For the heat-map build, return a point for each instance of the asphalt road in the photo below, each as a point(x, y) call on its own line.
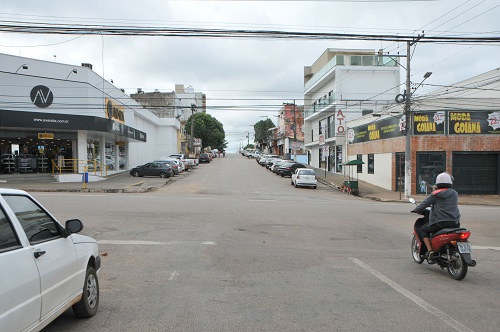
point(233, 247)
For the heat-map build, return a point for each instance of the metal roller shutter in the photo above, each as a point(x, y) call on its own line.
point(475, 173)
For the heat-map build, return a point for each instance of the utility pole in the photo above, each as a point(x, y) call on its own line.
point(408, 128)
point(191, 147)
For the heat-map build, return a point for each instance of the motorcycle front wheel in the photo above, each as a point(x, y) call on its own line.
point(457, 267)
point(415, 251)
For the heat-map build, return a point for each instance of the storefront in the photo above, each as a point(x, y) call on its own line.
point(58, 117)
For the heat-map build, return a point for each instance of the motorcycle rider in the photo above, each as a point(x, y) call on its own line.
point(444, 210)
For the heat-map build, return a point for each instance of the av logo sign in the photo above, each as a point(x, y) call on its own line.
point(41, 96)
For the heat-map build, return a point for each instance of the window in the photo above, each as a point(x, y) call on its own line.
point(339, 59)
point(8, 239)
point(429, 165)
point(355, 60)
point(331, 126)
point(321, 124)
point(365, 112)
point(368, 60)
point(371, 164)
point(37, 224)
point(359, 157)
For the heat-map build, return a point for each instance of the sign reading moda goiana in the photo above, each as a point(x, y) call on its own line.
point(473, 122)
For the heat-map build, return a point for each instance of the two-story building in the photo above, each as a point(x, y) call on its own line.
point(342, 85)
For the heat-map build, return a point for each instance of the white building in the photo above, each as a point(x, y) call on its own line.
point(51, 109)
point(342, 85)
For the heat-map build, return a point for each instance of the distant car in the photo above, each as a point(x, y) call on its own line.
point(161, 169)
point(47, 268)
point(304, 177)
point(270, 161)
point(287, 169)
point(276, 164)
point(204, 158)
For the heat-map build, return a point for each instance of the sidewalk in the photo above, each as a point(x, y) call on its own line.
point(370, 191)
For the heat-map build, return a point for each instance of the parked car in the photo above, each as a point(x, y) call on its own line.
point(276, 164)
point(182, 158)
point(204, 158)
point(287, 169)
point(173, 163)
point(180, 164)
point(155, 168)
point(270, 161)
point(263, 159)
point(47, 268)
point(304, 177)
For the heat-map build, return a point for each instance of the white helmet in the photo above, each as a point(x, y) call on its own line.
point(444, 180)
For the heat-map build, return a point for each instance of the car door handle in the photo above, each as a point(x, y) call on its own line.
point(39, 253)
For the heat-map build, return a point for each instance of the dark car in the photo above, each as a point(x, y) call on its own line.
point(287, 169)
point(161, 169)
point(172, 164)
point(204, 158)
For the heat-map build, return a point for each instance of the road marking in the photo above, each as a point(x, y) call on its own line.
point(153, 243)
point(200, 198)
point(424, 305)
point(485, 248)
point(262, 200)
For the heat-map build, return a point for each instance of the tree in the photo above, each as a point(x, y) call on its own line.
point(261, 128)
point(209, 129)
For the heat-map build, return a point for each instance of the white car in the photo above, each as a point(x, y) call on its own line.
point(45, 267)
point(304, 177)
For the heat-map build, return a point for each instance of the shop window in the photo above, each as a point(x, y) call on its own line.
point(359, 157)
point(400, 171)
point(429, 165)
point(371, 164)
point(339, 158)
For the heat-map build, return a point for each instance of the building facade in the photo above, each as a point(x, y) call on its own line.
point(175, 104)
point(52, 111)
point(454, 129)
point(340, 86)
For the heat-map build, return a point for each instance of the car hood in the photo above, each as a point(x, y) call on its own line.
point(78, 238)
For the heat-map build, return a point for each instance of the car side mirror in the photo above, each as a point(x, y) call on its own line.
point(73, 226)
point(412, 200)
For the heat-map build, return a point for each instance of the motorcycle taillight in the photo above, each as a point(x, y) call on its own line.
point(464, 235)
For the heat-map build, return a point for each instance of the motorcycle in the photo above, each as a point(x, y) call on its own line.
point(451, 247)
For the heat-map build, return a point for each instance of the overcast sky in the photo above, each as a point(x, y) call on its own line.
point(249, 73)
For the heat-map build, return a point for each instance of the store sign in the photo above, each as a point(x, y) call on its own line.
point(429, 123)
point(468, 123)
point(41, 96)
point(45, 136)
point(340, 123)
point(114, 111)
point(387, 128)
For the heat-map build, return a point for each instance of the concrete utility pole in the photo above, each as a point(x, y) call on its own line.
point(294, 132)
point(191, 147)
point(408, 128)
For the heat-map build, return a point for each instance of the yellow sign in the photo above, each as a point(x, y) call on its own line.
point(114, 111)
point(45, 136)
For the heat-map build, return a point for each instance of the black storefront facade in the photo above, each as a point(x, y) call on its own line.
point(35, 141)
point(465, 143)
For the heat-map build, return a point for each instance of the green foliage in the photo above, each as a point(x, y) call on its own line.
point(261, 128)
point(209, 129)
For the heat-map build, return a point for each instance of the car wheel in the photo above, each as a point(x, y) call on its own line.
point(291, 182)
point(135, 174)
point(282, 175)
point(110, 167)
point(315, 187)
point(296, 185)
point(163, 175)
point(87, 307)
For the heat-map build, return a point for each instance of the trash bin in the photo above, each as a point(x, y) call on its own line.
point(85, 177)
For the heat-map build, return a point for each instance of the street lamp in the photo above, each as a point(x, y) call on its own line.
point(24, 66)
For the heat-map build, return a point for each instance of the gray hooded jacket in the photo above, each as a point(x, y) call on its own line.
point(444, 206)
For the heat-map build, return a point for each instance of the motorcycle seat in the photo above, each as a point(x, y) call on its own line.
point(448, 230)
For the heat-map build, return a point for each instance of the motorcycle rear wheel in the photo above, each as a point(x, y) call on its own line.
point(457, 268)
point(415, 251)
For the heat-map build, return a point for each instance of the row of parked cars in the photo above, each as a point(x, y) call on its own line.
point(300, 175)
point(165, 167)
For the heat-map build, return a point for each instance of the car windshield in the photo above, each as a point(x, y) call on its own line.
point(307, 172)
